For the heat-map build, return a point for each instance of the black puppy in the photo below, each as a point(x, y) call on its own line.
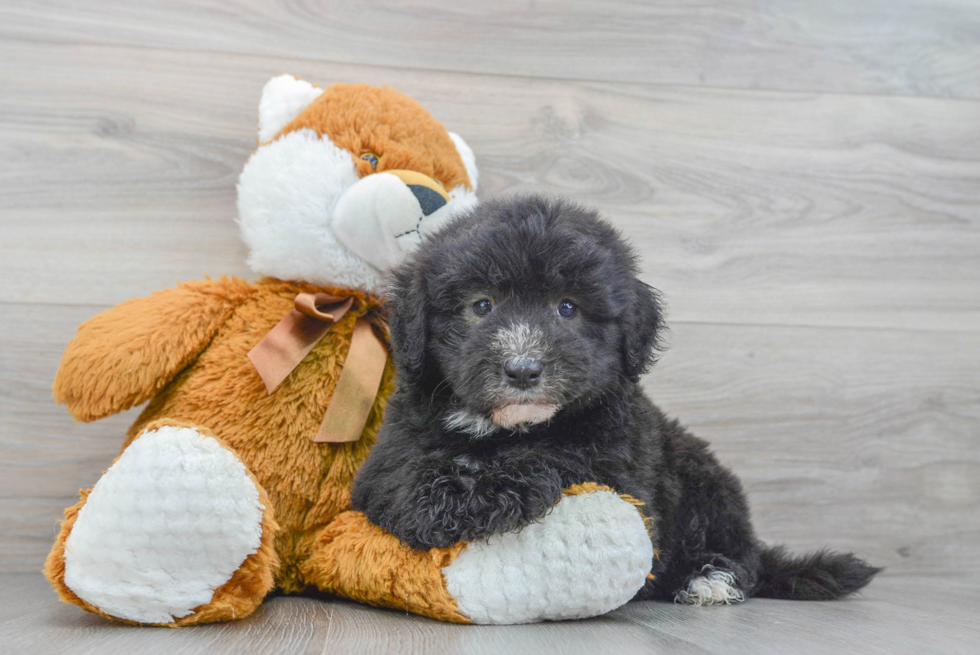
point(520, 332)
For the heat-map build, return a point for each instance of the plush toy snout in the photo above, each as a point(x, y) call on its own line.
point(430, 193)
point(383, 216)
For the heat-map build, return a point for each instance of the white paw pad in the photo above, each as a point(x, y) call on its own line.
point(713, 587)
point(169, 522)
point(590, 555)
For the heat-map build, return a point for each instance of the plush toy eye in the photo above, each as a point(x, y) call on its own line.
point(567, 309)
point(371, 158)
point(483, 307)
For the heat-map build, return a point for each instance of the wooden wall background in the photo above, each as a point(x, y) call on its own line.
point(803, 179)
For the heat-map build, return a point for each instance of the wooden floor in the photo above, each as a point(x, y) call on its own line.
point(802, 178)
point(889, 618)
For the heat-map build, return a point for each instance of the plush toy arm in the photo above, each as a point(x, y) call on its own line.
point(123, 356)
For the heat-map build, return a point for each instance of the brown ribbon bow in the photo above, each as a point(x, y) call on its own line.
point(292, 339)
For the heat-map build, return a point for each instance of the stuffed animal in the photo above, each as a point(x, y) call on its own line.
point(263, 399)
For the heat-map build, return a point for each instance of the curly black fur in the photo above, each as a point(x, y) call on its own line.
point(443, 470)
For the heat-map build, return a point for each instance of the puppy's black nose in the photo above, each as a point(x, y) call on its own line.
point(524, 372)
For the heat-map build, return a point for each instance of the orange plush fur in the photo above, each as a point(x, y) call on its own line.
point(186, 349)
point(381, 121)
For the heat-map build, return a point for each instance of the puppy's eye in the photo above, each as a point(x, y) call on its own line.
point(567, 309)
point(371, 158)
point(483, 307)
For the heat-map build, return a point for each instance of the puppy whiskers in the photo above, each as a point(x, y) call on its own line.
point(435, 392)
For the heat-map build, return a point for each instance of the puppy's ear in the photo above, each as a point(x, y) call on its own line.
point(642, 324)
point(406, 300)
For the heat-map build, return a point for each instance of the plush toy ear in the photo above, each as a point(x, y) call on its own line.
point(283, 98)
point(642, 325)
point(406, 318)
point(469, 159)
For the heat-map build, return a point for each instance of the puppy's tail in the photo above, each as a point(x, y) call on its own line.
point(822, 575)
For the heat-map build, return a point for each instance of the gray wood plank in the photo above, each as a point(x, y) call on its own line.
point(33, 620)
point(913, 47)
point(818, 250)
point(769, 208)
point(45, 456)
point(880, 620)
point(357, 629)
point(863, 440)
point(896, 615)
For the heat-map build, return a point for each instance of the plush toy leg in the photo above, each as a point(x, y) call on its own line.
point(590, 555)
point(176, 532)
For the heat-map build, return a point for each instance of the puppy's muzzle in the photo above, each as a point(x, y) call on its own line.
point(523, 372)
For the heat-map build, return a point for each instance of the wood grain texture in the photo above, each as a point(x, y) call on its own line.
point(45, 456)
point(862, 440)
point(802, 180)
point(33, 620)
point(911, 47)
point(887, 618)
point(748, 207)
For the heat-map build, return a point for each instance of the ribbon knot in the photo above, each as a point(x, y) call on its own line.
point(295, 336)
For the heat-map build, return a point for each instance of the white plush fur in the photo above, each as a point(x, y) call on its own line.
point(590, 555)
point(169, 522)
point(288, 194)
point(286, 197)
point(379, 219)
point(469, 159)
point(712, 587)
point(283, 98)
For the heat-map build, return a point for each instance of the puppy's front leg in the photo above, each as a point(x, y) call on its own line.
point(466, 499)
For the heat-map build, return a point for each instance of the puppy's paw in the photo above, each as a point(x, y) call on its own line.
point(711, 587)
point(590, 555)
point(473, 501)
